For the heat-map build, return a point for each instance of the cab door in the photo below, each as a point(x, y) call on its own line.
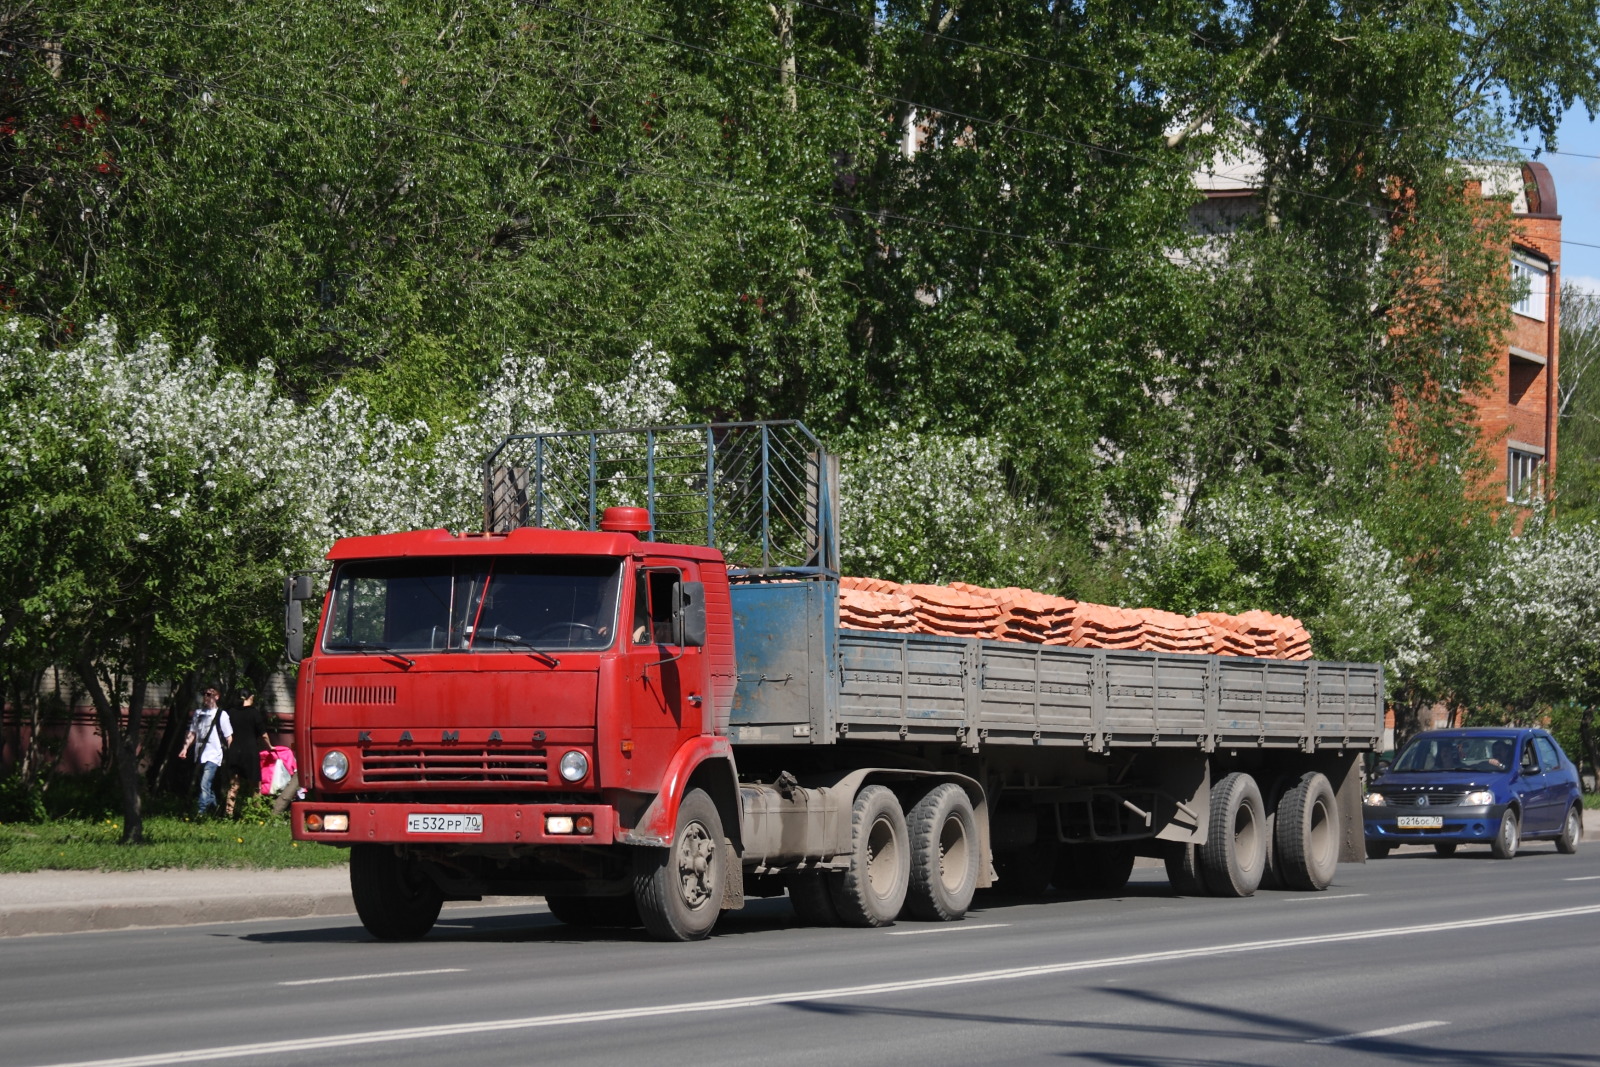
point(665, 676)
point(1547, 803)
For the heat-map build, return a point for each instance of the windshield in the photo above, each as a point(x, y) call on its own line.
point(1436, 752)
point(495, 604)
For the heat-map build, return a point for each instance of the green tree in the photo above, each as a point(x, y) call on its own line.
point(1578, 405)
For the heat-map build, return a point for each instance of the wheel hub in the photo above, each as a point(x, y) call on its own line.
point(695, 875)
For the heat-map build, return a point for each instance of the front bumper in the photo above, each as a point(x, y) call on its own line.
point(1459, 824)
point(503, 824)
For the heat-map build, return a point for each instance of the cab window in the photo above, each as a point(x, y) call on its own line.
point(652, 606)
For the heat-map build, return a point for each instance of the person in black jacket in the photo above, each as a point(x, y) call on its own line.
point(250, 739)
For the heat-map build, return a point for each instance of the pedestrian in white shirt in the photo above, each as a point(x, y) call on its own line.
point(209, 725)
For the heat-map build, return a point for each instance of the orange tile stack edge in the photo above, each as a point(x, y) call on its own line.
point(1011, 614)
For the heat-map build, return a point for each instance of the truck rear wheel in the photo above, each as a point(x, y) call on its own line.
point(872, 890)
point(1306, 834)
point(679, 888)
point(396, 901)
point(944, 854)
point(1183, 870)
point(1235, 853)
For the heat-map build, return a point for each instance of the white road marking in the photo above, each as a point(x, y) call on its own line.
point(953, 928)
point(1319, 896)
point(365, 977)
point(1385, 1032)
point(1585, 878)
point(798, 996)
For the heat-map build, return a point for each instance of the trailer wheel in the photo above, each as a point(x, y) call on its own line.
point(1235, 852)
point(594, 912)
point(1183, 871)
point(872, 890)
point(679, 888)
point(1094, 870)
point(944, 855)
point(1306, 834)
point(812, 899)
point(396, 901)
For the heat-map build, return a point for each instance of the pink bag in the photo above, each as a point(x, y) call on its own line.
point(277, 766)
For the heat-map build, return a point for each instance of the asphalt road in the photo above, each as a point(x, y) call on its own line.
point(1413, 959)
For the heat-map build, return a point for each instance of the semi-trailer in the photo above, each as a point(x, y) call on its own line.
point(630, 694)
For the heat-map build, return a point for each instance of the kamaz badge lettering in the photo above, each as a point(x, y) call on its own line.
point(449, 735)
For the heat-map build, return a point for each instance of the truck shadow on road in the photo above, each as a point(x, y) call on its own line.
point(1227, 1024)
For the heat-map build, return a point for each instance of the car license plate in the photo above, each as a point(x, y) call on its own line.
point(1420, 822)
point(426, 823)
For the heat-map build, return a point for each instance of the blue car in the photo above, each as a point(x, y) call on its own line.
point(1494, 786)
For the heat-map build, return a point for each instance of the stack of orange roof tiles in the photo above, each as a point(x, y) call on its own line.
point(1012, 614)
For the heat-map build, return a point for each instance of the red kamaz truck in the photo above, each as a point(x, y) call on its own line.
point(631, 695)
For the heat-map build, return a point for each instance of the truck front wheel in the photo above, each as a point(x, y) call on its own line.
point(396, 901)
point(679, 888)
point(1235, 853)
point(873, 889)
point(944, 854)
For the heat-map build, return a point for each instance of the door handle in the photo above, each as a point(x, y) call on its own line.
point(694, 699)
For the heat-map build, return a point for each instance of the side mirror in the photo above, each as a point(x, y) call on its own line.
point(296, 591)
point(1383, 765)
point(690, 614)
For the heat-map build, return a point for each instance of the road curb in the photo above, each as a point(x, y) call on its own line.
point(26, 919)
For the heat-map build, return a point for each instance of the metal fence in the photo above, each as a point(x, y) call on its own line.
point(762, 492)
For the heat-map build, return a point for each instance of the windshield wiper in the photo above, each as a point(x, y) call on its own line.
point(372, 649)
point(521, 642)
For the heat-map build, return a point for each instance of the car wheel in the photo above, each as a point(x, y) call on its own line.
point(1571, 831)
point(1445, 848)
point(1506, 841)
point(1376, 850)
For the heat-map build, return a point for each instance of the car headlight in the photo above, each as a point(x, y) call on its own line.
point(1374, 800)
point(335, 765)
point(1478, 797)
point(574, 765)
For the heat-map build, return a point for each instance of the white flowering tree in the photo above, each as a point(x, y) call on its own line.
point(1245, 551)
point(151, 502)
point(1538, 602)
point(927, 508)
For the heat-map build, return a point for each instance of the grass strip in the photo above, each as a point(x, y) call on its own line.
point(183, 842)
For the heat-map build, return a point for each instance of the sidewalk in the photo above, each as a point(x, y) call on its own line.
point(59, 902)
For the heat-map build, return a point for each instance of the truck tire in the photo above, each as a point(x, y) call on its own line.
point(1506, 842)
point(396, 901)
point(872, 890)
point(944, 855)
point(1571, 832)
point(593, 913)
point(812, 898)
point(1183, 870)
point(1235, 853)
point(679, 888)
point(1094, 870)
point(1306, 834)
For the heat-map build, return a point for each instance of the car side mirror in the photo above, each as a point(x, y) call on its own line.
point(1383, 765)
point(690, 614)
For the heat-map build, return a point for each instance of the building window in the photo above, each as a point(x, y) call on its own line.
point(1530, 283)
point(1522, 474)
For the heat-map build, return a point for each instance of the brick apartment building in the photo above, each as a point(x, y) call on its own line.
point(1516, 413)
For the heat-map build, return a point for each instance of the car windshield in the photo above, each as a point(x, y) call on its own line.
point(493, 604)
point(1454, 752)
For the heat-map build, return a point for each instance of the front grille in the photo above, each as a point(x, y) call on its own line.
point(380, 766)
point(1409, 800)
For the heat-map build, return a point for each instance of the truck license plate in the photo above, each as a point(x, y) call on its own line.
point(424, 823)
point(1420, 822)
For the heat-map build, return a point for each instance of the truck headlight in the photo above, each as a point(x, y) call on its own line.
point(1374, 800)
point(335, 765)
point(574, 765)
point(1478, 797)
